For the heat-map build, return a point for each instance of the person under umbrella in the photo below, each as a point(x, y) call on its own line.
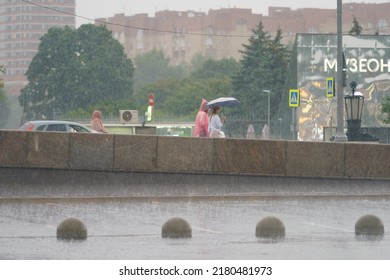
point(216, 123)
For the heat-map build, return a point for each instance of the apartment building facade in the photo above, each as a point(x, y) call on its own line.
point(181, 35)
point(221, 33)
point(22, 24)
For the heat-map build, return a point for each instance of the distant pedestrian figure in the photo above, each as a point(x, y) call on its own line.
point(201, 128)
point(265, 132)
point(96, 122)
point(250, 133)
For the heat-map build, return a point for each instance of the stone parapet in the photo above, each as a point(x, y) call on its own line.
point(315, 159)
point(165, 154)
point(91, 151)
point(135, 153)
point(184, 154)
point(367, 160)
point(47, 150)
point(245, 156)
point(13, 148)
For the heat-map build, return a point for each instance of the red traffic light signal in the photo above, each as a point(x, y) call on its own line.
point(151, 100)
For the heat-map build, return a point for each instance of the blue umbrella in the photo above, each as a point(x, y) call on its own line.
point(223, 102)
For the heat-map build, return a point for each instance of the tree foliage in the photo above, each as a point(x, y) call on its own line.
point(197, 62)
point(356, 28)
point(263, 67)
point(4, 107)
point(152, 67)
point(76, 69)
point(210, 68)
point(386, 110)
point(2, 71)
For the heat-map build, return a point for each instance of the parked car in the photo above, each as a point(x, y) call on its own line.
point(63, 126)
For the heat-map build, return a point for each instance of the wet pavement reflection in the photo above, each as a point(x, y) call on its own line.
point(319, 227)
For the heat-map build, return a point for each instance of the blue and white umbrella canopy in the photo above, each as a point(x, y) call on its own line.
point(223, 102)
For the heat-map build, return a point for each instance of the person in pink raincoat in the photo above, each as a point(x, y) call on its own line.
point(96, 122)
point(202, 121)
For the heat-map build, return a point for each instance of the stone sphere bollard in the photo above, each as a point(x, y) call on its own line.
point(270, 227)
point(71, 228)
point(176, 228)
point(369, 225)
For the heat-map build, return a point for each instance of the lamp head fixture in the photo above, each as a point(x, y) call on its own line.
point(353, 85)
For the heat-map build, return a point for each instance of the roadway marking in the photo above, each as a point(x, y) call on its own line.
point(324, 226)
point(206, 230)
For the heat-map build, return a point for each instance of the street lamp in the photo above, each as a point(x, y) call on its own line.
point(269, 112)
point(354, 110)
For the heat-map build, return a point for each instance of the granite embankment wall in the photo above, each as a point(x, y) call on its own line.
point(162, 154)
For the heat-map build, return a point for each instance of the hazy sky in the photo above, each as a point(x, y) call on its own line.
point(107, 8)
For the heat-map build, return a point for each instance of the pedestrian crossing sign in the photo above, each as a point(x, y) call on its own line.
point(293, 98)
point(330, 87)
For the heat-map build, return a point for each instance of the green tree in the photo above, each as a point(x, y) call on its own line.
point(210, 68)
point(197, 62)
point(2, 71)
point(279, 78)
point(386, 110)
point(263, 67)
point(76, 69)
point(4, 107)
point(356, 28)
point(186, 101)
point(152, 67)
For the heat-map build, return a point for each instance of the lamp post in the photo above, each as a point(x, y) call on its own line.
point(340, 135)
point(269, 109)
